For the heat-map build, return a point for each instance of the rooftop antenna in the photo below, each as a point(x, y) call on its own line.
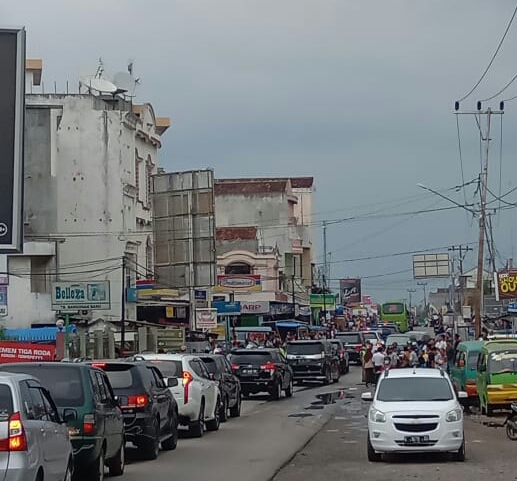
point(126, 82)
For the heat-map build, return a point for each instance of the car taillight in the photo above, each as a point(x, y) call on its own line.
point(88, 424)
point(138, 401)
point(187, 379)
point(269, 366)
point(235, 367)
point(341, 352)
point(16, 440)
point(358, 348)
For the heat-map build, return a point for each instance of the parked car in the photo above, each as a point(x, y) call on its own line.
point(262, 370)
point(354, 342)
point(464, 370)
point(373, 336)
point(342, 354)
point(220, 371)
point(85, 399)
point(400, 339)
point(313, 360)
point(150, 411)
point(412, 411)
point(34, 441)
point(198, 397)
point(420, 337)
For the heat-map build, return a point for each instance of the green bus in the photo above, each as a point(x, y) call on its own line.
point(397, 313)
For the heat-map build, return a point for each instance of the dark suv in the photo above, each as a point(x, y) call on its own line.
point(84, 397)
point(262, 370)
point(340, 350)
point(313, 361)
point(354, 342)
point(221, 371)
point(150, 411)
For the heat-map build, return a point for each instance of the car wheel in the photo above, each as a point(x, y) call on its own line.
point(372, 455)
point(235, 411)
point(117, 464)
point(460, 455)
point(276, 393)
point(171, 442)
point(290, 389)
point(197, 428)
point(151, 449)
point(224, 411)
point(96, 469)
point(213, 424)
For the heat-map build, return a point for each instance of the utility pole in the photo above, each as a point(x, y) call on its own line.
point(424, 284)
point(293, 298)
point(325, 266)
point(410, 291)
point(482, 216)
point(123, 309)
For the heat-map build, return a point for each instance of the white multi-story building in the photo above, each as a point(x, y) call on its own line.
point(87, 185)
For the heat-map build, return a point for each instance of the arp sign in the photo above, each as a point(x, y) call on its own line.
point(12, 109)
point(258, 307)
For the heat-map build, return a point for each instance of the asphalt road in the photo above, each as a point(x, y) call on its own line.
point(251, 448)
point(338, 451)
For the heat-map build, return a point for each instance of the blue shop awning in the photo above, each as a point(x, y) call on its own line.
point(36, 334)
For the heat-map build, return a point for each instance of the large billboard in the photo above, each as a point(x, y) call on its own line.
point(429, 266)
point(74, 296)
point(12, 109)
point(350, 290)
point(506, 284)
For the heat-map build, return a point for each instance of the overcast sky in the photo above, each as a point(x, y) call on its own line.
point(357, 93)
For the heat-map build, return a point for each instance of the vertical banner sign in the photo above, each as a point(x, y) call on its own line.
point(12, 109)
point(350, 291)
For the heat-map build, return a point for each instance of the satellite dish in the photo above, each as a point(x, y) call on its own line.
point(125, 83)
point(100, 85)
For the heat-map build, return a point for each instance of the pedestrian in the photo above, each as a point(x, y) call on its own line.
point(378, 362)
point(368, 365)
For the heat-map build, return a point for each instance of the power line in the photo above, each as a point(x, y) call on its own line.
point(514, 78)
point(493, 57)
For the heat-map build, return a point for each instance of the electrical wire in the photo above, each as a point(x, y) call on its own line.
point(493, 57)
point(514, 78)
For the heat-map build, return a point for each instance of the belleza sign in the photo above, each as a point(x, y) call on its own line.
point(81, 295)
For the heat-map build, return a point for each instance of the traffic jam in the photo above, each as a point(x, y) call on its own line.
point(84, 413)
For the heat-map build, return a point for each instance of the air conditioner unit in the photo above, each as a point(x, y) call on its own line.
point(85, 314)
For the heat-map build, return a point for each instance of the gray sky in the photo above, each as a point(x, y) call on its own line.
point(358, 93)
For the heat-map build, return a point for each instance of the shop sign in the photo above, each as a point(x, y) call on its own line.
point(506, 282)
point(21, 352)
point(80, 295)
point(206, 319)
point(3, 301)
point(258, 307)
point(238, 282)
point(227, 308)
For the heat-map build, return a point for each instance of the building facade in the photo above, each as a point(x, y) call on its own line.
point(88, 166)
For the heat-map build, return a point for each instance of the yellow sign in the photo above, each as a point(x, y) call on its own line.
point(143, 293)
point(169, 312)
point(220, 331)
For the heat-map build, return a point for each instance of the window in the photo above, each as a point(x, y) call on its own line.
point(238, 268)
point(137, 176)
point(394, 308)
point(103, 390)
point(26, 398)
point(472, 360)
point(169, 368)
point(414, 389)
point(39, 276)
point(149, 264)
point(158, 379)
point(196, 367)
point(305, 348)
point(6, 402)
point(148, 182)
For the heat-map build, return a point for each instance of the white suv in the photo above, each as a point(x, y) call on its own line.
point(198, 397)
point(415, 410)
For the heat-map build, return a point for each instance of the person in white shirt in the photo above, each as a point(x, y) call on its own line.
point(378, 362)
point(441, 344)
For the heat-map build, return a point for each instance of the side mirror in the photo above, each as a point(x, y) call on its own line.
point(462, 395)
point(367, 396)
point(172, 381)
point(69, 415)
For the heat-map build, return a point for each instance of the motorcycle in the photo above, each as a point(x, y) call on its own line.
point(511, 423)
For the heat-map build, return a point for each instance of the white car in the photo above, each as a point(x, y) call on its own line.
point(198, 397)
point(415, 410)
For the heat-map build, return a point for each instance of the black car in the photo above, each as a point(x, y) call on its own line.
point(84, 397)
point(262, 370)
point(342, 354)
point(221, 371)
point(150, 411)
point(354, 342)
point(313, 360)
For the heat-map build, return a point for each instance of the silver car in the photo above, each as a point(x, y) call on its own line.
point(34, 443)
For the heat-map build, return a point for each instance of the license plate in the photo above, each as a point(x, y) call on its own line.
point(416, 439)
point(249, 372)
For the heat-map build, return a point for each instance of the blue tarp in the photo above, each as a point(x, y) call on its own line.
point(290, 324)
point(36, 334)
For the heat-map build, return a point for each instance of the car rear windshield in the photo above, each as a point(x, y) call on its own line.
point(169, 368)
point(370, 335)
point(64, 382)
point(400, 340)
point(505, 361)
point(350, 338)
point(254, 358)
point(414, 389)
point(121, 376)
point(6, 402)
point(472, 361)
point(305, 348)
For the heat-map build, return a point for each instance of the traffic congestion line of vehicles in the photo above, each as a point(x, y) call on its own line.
point(64, 420)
